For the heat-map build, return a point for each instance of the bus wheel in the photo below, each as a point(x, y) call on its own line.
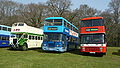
point(11, 48)
point(101, 55)
point(24, 47)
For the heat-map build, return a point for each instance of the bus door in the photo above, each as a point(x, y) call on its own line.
point(64, 41)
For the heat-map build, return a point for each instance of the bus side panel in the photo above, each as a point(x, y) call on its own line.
point(34, 43)
point(4, 43)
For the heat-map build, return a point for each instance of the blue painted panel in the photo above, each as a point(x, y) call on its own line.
point(61, 18)
point(4, 35)
point(5, 26)
point(2, 32)
point(59, 28)
point(4, 43)
point(5, 32)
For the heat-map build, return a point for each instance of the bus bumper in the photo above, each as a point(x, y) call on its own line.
point(58, 49)
point(4, 45)
point(93, 49)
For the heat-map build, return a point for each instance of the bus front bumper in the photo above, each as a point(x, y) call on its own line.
point(58, 49)
point(93, 49)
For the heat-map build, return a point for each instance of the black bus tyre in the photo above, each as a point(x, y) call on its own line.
point(67, 47)
point(101, 55)
point(24, 47)
point(11, 48)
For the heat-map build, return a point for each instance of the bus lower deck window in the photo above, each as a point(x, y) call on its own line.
point(29, 37)
point(25, 36)
point(32, 37)
point(41, 38)
point(38, 38)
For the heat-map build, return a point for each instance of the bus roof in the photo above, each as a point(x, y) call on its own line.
point(89, 18)
point(61, 18)
point(5, 26)
point(5, 32)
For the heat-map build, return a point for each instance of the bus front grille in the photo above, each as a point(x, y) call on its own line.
point(14, 41)
point(51, 45)
point(92, 49)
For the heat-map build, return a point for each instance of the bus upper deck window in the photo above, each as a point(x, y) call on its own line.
point(5, 28)
point(0, 27)
point(15, 24)
point(21, 24)
point(58, 21)
point(98, 22)
point(9, 29)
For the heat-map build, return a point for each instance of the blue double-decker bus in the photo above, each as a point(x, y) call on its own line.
point(59, 35)
point(5, 34)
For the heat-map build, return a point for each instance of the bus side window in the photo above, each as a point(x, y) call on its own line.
point(41, 38)
point(25, 36)
point(0, 28)
point(9, 29)
point(30, 37)
point(68, 25)
point(3, 38)
point(65, 23)
point(7, 38)
point(0, 37)
point(38, 38)
point(5, 28)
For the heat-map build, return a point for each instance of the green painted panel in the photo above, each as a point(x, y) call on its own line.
point(27, 33)
point(22, 41)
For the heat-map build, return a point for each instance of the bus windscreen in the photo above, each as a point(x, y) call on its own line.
point(94, 22)
point(92, 39)
point(53, 22)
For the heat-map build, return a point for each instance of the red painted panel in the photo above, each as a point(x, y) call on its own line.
point(101, 29)
point(93, 49)
point(89, 18)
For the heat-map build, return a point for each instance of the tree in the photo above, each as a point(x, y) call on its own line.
point(112, 19)
point(81, 12)
point(86, 11)
point(114, 6)
point(58, 7)
point(33, 13)
point(7, 11)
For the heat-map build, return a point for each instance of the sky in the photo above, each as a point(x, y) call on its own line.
point(97, 4)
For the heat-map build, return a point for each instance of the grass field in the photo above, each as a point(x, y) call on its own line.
point(39, 59)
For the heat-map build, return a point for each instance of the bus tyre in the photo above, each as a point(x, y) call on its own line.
point(11, 48)
point(101, 55)
point(24, 47)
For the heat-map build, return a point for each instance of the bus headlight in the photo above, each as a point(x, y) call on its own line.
point(101, 49)
point(83, 48)
point(81, 44)
point(58, 45)
point(44, 44)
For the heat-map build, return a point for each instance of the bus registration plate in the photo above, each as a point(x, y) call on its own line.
point(92, 52)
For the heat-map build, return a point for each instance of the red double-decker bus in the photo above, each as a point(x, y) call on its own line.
point(92, 33)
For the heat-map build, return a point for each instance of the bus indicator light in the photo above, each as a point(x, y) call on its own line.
point(92, 29)
point(52, 28)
